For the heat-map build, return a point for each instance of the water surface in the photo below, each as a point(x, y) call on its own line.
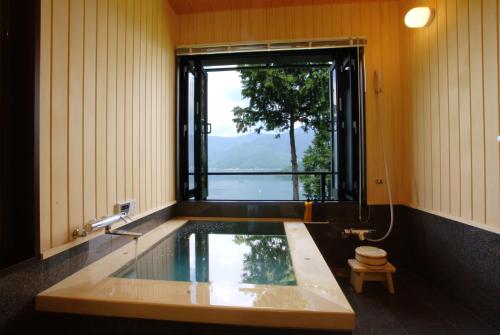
point(207, 251)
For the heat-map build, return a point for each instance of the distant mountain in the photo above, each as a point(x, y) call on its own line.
point(255, 151)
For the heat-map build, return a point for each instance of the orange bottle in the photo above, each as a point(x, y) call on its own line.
point(308, 210)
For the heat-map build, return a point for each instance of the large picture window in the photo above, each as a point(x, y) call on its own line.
point(273, 126)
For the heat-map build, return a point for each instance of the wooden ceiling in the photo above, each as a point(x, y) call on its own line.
point(196, 6)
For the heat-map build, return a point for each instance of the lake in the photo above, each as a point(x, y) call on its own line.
point(251, 188)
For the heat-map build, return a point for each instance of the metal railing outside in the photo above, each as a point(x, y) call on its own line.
point(323, 194)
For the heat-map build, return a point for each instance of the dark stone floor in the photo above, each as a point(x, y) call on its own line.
point(418, 307)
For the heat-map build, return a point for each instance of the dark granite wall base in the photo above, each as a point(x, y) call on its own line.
point(255, 209)
point(461, 259)
point(19, 285)
point(335, 250)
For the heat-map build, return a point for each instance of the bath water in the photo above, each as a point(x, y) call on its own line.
point(208, 251)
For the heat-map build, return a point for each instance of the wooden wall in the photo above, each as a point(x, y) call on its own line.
point(379, 21)
point(107, 74)
point(454, 111)
point(107, 100)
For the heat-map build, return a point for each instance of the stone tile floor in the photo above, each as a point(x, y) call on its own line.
point(418, 307)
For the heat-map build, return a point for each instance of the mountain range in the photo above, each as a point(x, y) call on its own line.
point(255, 151)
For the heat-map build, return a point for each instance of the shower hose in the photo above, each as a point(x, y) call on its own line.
point(378, 91)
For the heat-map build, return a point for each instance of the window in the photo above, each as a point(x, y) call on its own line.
point(273, 126)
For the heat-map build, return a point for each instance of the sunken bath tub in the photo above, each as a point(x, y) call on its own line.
point(240, 273)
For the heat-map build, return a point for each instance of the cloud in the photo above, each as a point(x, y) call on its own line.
point(224, 93)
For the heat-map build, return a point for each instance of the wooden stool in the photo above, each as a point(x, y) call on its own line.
point(360, 273)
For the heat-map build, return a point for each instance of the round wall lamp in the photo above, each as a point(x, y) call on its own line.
point(419, 17)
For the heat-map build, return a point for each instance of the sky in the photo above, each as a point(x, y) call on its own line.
point(224, 93)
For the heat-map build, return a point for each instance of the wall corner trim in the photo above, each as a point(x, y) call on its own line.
point(483, 226)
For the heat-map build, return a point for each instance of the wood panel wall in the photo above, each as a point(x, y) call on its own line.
point(379, 21)
point(107, 75)
point(454, 111)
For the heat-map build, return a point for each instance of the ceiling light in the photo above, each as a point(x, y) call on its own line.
point(419, 17)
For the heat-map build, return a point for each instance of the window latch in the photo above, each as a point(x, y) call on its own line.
point(208, 128)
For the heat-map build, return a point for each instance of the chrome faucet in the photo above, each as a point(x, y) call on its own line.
point(106, 222)
point(348, 232)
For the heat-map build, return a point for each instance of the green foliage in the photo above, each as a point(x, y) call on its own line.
point(317, 158)
point(279, 98)
point(280, 95)
point(268, 260)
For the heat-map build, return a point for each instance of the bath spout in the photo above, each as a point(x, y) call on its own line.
point(121, 232)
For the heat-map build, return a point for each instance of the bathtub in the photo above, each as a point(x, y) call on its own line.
point(212, 288)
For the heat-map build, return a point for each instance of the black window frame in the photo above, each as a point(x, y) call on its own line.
point(354, 53)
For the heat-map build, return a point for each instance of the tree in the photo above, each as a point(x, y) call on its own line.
point(317, 157)
point(268, 261)
point(281, 98)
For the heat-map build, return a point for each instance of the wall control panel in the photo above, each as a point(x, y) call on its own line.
point(127, 207)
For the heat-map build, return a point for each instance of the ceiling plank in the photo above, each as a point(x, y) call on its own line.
point(200, 5)
point(220, 5)
point(181, 6)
